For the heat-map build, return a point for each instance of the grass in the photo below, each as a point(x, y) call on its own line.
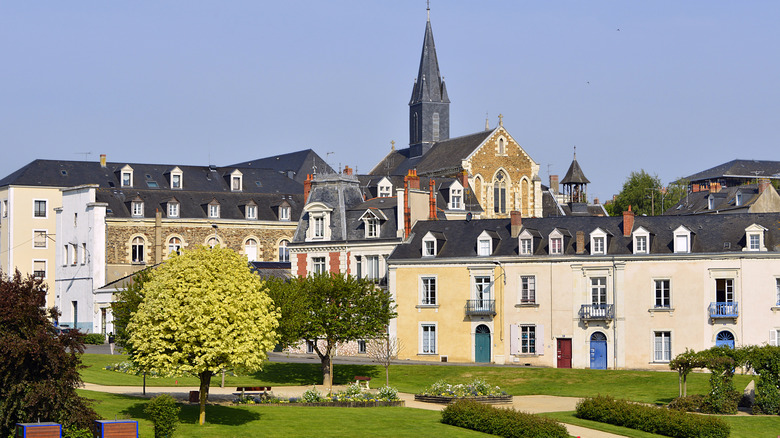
point(284, 421)
point(569, 418)
point(643, 386)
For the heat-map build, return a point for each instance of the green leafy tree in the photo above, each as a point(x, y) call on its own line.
point(684, 363)
point(203, 311)
point(640, 191)
point(125, 304)
point(38, 367)
point(672, 194)
point(334, 308)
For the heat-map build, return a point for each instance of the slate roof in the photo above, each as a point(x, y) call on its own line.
point(725, 201)
point(575, 175)
point(711, 234)
point(747, 169)
point(369, 188)
point(443, 157)
point(272, 269)
point(429, 87)
point(300, 163)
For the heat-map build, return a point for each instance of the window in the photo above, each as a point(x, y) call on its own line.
point(65, 255)
point(250, 249)
point(175, 181)
point(501, 149)
point(75, 220)
point(598, 291)
point(682, 239)
point(499, 193)
point(738, 199)
point(361, 346)
point(251, 212)
point(284, 213)
point(711, 202)
point(318, 265)
point(83, 253)
point(319, 227)
point(662, 294)
point(236, 181)
point(284, 252)
point(662, 352)
point(126, 178)
point(372, 227)
point(526, 246)
point(5, 208)
point(372, 267)
point(777, 280)
point(754, 244)
point(173, 209)
point(428, 292)
point(138, 208)
point(527, 339)
point(528, 289)
point(641, 245)
point(456, 199)
point(429, 247)
point(214, 211)
point(212, 242)
point(482, 290)
point(385, 190)
point(39, 268)
point(754, 235)
point(428, 338)
point(137, 249)
point(483, 247)
point(309, 347)
point(435, 126)
point(39, 239)
point(556, 245)
point(174, 246)
point(39, 208)
point(598, 245)
point(74, 249)
point(724, 290)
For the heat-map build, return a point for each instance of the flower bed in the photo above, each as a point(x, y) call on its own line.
point(352, 397)
point(478, 390)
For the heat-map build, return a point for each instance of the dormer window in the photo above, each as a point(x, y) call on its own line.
point(738, 199)
point(641, 241)
point(319, 221)
point(126, 179)
point(754, 236)
point(137, 208)
point(173, 208)
point(556, 242)
point(284, 211)
point(598, 241)
point(250, 211)
point(214, 210)
point(176, 178)
point(456, 196)
point(711, 202)
point(385, 188)
point(371, 220)
point(682, 239)
point(526, 246)
point(486, 242)
point(431, 243)
point(236, 181)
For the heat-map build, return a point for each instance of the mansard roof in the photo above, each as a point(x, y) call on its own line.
point(300, 163)
point(750, 169)
point(724, 201)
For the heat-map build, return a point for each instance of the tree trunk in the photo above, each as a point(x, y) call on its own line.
point(387, 375)
point(685, 385)
point(327, 371)
point(205, 381)
point(679, 383)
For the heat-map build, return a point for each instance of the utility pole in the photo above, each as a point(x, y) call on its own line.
point(652, 200)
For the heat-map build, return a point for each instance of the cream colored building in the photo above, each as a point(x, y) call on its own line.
point(587, 292)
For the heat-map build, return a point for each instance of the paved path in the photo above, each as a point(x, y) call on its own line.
point(527, 403)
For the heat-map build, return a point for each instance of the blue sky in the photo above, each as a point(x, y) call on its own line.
point(667, 86)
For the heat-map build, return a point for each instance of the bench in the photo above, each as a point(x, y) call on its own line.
point(362, 381)
point(252, 390)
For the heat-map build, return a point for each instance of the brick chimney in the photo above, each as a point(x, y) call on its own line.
point(307, 187)
point(464, 179)
point(103, 160)
point(628, 222)
point(432, 200)
point(516, 221)
point(580, 242)
point(554, 183)
point(595, 201)
point(347, 170)
point(763, 184)
point(407, 212)
point(413, 179)
point(714, 187)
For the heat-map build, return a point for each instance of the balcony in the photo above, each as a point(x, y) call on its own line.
point(728, 309)
point(597, 312)
point(480, 307)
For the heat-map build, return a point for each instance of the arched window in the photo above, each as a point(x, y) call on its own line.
point(499, 193)
point(435, 126)
point(501, 150)
point(250, 249)
point(284, 253)
point(174, 246)
point(137, 250)
point(212, 242)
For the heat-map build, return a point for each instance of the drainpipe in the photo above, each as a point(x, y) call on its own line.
point(614, 324)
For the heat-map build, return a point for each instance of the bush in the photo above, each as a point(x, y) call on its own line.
point(164, 414)
point(502, 422)
point(651, 419)
point(477, 387)
point(691, 403)
point(76, 432)
point(312, 396)
point(387, 393)
point(767, 397)
point(94, 339)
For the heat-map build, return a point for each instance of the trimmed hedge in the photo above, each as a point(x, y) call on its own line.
point(94, 339)
point(651, 419)
point(501, 421)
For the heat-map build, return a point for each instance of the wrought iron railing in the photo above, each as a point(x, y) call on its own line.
point(591, 312)
point(480, 307)
point(724, 309)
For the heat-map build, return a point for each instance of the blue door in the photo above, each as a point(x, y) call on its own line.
point(598, 351)
point(724, 339)
point(482, 344)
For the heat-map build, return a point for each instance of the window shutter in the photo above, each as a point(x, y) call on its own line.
point(514, 337)
point(540, 339)
point(773, 337)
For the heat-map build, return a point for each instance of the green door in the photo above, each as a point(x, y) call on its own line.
point(482, 344)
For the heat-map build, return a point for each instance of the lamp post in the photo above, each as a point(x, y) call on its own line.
point(216, 237)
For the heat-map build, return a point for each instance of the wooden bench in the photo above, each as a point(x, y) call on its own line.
point(362, 381)
point(252, 390)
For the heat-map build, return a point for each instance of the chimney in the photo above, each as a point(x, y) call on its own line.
point(580, 242)
point(714, 187)
point(103, 160)
point(464, 179)
point(516, 221)
point(307, 188)
point(413, 179)
point(347, 171)
point(407, 213)
point(763, 184)
point(432, 200)
point(554, 183)
point(595, 201)
point(628, 222)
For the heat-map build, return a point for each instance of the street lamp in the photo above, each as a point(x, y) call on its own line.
point(216, 237)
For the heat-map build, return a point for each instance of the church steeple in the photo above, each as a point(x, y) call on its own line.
point(429, 107)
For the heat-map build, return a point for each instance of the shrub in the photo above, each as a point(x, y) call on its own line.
point(387, 393)
point(499, 421)
point(691, 403)
point(312, 396)
point(477, 387)
point(767, 397)
point(164, 414)
point(73, 431)
point(651, 419)
point(94, 339)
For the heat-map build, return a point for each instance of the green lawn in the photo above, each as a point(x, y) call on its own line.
point(644, 386)
point(284, 421)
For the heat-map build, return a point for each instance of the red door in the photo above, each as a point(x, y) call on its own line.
point(564, 353)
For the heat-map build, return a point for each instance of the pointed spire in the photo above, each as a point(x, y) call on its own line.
point(487, 122)
point(429, 85)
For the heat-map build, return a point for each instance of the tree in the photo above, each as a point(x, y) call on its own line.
point(334, 308)
point(39, 367)
point(203, 311)
point(125, 304)
point(684, 363)
point(641, 191)
point(384, 350)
